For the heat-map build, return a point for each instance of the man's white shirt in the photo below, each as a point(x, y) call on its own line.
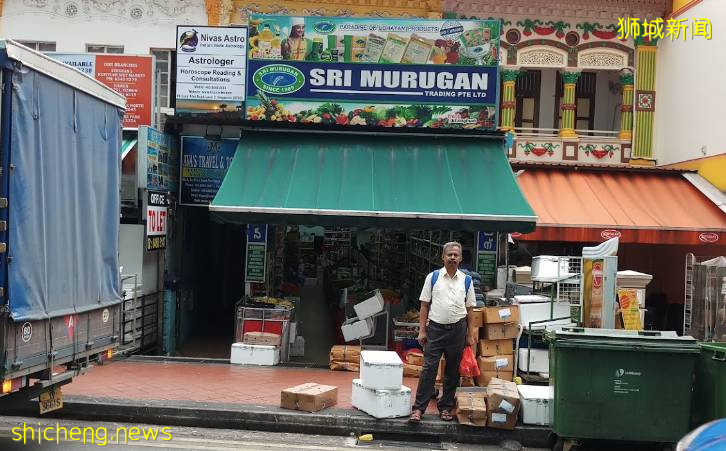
point(448, 304)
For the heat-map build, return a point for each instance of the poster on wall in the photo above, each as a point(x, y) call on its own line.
point(204, 163)
point(256, 255)
point(211, 69)
point(130, 75)
point(486, 258)
point(159, 171)
point(374, 72)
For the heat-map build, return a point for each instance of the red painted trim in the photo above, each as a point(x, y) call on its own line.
point(683, 9)
point(642, 236)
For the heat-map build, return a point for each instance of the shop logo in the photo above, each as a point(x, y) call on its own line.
point(188, 41)
point(451, 29)
point(105, 315)
point(610, 233)
point(27, 332)
point(708, 237)
point(278, 79)
point(324, 27)
point(622, 372)
point(619, 372)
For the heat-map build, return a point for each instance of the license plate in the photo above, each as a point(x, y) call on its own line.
point(50, 400)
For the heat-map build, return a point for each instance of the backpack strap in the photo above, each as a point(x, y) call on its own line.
point(467, 284)
point(434, 278)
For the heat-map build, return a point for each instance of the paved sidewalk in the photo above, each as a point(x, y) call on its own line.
point(220, 395)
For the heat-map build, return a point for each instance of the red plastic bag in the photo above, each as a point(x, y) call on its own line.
point(468, 366)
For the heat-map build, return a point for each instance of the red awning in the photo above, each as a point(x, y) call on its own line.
point(639, 207)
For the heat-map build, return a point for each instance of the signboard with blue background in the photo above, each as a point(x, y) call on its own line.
point(204, 163)
point(374, 72)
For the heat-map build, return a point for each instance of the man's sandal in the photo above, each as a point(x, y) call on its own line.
point(446, 415)
point(415, 416)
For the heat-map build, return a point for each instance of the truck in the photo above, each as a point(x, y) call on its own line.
point(60, 289)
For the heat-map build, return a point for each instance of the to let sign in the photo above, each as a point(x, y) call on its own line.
point(156, 220)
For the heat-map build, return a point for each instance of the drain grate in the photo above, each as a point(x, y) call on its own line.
point(411, 441)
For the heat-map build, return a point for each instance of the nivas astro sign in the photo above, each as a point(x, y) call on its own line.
point(374, 72)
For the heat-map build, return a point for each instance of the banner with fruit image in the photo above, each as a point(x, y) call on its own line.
point(374, 72)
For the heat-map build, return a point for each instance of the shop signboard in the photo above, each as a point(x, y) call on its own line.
point(211, 69)
point(204, 163)
point(130, 75)
point(374, 72)
point(158, 160)
point(256, 255)
point(486, 258)
point(156, 220)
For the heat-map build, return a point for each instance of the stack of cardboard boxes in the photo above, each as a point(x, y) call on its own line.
point(414, 363)
point(496, 405)
point(498, 327)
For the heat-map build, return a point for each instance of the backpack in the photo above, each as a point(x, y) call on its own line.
point(435, 277)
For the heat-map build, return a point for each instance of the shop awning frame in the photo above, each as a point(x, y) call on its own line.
point(372, 181)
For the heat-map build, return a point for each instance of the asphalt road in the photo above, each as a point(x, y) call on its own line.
point(171, 438)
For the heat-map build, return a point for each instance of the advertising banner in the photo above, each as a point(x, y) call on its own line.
point(130, 75)
point(204, 163)
point(211, 68)
point(159, 170)
point(374, 72)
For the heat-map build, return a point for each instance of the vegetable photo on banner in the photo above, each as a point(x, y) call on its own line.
point(468, 366)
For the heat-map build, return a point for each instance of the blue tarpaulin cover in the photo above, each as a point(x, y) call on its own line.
point(63, 199)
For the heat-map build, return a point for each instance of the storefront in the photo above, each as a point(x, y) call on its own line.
point(659, 215)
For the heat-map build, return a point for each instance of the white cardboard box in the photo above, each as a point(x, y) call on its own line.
point(536, 403)
point(246, 354)
point(381, 403)
point(370, 306)
point(381, 370)
point(357, 329)
point(539, 360)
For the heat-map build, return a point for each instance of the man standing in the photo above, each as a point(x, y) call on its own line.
point(445, 319)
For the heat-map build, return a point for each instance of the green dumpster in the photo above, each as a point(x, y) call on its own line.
point(621, 384)
point(709, 392)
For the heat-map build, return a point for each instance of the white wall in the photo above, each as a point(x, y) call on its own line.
point(691, 92)
point(55, 21)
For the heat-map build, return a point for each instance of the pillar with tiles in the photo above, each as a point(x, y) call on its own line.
point(644, 100)
point(626, 109)
point(509, 77)
point(569, 104)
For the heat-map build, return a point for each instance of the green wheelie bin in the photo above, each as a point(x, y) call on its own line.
point(709, 391)
point(621, 384)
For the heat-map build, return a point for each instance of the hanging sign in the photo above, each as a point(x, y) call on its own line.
point(486, 258)
point(374, 72)
point(211, 66)
point(204, 163)
point(156, 220)
point(129, 75)
point(256, 255)
point(158, 160)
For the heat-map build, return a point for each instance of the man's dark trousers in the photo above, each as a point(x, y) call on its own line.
point(449, 340)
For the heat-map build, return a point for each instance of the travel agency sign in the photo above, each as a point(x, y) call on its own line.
point(373, 72)
point(344, 71)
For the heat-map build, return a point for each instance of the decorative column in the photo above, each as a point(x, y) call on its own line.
point(509, 103)
point(569, 104)
point(626, 108)
point(644, 101)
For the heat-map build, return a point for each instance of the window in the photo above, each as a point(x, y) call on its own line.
point(527, 94)
point(585, 101)
point(90, 48)
point(40, 46)
point(162, 73)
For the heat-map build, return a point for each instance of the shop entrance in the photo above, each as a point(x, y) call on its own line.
point(211, 265)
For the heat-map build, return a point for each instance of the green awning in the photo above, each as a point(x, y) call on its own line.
point(126, 145)
point(373, 181)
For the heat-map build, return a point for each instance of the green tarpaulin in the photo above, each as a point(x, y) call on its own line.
point(373, 181)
